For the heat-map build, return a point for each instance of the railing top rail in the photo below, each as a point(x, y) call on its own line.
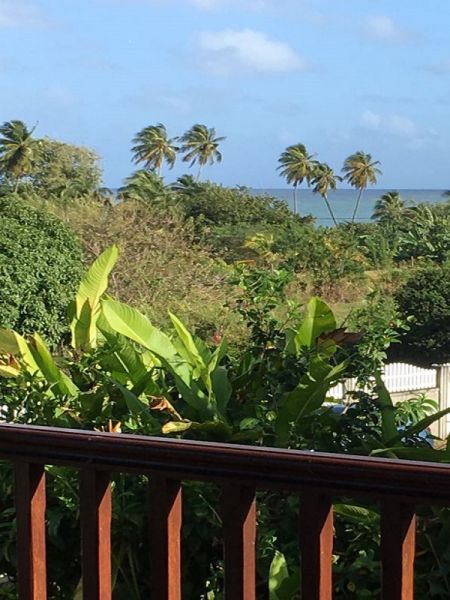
point(259, 466)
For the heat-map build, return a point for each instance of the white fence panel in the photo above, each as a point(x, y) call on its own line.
point(398, 377)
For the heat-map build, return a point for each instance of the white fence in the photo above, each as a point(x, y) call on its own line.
point(398, 377)
point(403, 381)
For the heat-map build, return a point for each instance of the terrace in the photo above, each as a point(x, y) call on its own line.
point(240, 471)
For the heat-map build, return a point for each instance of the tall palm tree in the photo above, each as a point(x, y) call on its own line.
point(200, 145)
point(389, 207)
point(296, 166)
point(153, 147)
point(324, 179)
point(360, 170)
point(144, 186)
point(186, 185)
point(17, 150)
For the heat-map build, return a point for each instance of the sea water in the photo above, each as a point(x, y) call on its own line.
point(343, 202)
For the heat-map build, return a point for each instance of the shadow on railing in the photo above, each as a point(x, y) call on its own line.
point(240, 470)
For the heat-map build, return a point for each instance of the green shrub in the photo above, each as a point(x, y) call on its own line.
point(162, 267)
point(40, 267)
point(217, 205)
point(424, 300)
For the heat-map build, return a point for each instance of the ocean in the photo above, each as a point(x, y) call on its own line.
point(343, 202)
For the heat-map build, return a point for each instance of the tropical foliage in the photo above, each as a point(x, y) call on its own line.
point(360, 171)
point(40, 267)
point(153, 147)
point(424, 301)
point(200, 145)
point(296, 166)
point(17, 150)
point(121, 373)
point(64, 171)
point(324, 179)
point(224, 316)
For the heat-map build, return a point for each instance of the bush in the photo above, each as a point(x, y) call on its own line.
point(424, 300)
point(40, 267)
point(161, 266)
point(217, 205)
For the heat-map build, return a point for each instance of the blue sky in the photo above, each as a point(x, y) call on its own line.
point(336, 75)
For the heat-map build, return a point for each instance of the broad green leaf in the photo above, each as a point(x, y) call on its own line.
point(221, 388)
point(318, 319)
point(422, 453)
point(8, 342)
point(212, 430)
point(355, 513)
point(176, 427)
point(188, 342)
point(420, 425)
point(13, 343)
point(121, 356)
point(308, 396)
point(387, 408)
point(134, 404)
point(135, 326)
point(49, 369)
point(86, 308)
point(282, 584)
point(278, 572)
point(218, 355)
point(8, 371)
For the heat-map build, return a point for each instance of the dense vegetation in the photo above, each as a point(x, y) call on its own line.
point(40, 268)
point(206, 323)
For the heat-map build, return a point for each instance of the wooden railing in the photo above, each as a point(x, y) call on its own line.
point(240, 470)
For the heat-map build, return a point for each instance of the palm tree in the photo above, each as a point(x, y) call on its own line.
point(324, 179)
point(144, 186)
point(389, 207)
point(153, 147)
point(186, 185)
point(17, 150)
point(296, 166)
point(200, 145)
point(360, 171)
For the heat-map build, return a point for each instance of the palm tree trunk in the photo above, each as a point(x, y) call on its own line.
point(16, 186)
point(295, 199)
point(330, 209)
point(357, 204)
point(199, 173)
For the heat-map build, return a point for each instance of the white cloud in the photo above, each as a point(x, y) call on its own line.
point(440, 68)
point(390, 123)
point(19, 13)
point(384, 29)
point(397, 125)
point(247, 4)
point(229, 51)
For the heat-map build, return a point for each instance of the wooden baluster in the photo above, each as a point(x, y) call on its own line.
point(238, 510)
point(165, 534)
point(30, 514)
point(398, 536)
point(95, 508)
point(316, 545)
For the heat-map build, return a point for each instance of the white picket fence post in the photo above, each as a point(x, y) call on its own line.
point(401, 379)
point(444, 398)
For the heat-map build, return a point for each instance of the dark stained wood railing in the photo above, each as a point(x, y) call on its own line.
point(239, 470)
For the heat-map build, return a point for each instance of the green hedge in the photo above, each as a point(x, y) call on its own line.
point(40, 268)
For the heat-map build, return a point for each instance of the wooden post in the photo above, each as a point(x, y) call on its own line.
point(238, 510)
point(165, 533)
point(95, 508)
point(398, 536)
point(30, 513)
point(316, 545)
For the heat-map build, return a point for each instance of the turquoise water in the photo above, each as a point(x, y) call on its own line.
point(343, 202)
